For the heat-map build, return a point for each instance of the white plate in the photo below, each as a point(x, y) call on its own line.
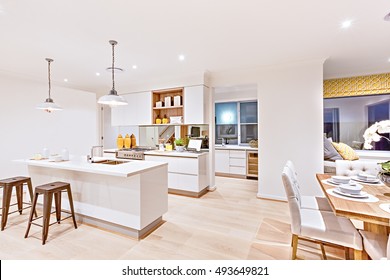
point(356, 178)
point(361, 195)
point(333, 182)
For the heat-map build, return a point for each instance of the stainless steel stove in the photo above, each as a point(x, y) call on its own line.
point(133, 153)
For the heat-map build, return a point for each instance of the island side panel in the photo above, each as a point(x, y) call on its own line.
point(154, 194)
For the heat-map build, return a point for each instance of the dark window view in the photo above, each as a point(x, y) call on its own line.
point(347, 118)
point(235, 122)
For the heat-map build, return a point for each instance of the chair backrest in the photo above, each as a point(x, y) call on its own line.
point(294, 180)
point(293, 200)
point(352, 168)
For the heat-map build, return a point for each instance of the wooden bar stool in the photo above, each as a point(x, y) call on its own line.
point(48, 190)
point(7, 185)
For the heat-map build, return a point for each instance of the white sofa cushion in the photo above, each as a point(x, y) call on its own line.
point(352, 168)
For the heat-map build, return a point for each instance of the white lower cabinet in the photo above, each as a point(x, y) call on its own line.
point(186, 175)
point(230, 162)
point(222, 161)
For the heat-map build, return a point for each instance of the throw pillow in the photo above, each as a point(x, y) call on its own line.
point(330, 152)
point(345, 151)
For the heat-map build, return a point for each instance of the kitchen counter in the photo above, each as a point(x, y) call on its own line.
point(128, 198)
point(235, 147)
point(80, 164)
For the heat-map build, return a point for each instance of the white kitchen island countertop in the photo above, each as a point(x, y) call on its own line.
point(80, 164)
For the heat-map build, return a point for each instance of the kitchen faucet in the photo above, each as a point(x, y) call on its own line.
point(90, 157)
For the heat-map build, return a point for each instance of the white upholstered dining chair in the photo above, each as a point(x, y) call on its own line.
point(354, 167)
point(321, 227)
point(376, 245)
point(307, 201)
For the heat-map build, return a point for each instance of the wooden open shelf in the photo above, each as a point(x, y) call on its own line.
point(252, 163)
point(171, 111)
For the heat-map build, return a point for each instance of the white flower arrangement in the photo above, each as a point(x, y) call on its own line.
point(372, 133)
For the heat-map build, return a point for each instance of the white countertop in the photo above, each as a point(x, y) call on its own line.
point(80, 164)
point(175, 154)
point(235, 147)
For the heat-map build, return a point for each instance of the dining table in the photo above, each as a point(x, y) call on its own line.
point(373, 210)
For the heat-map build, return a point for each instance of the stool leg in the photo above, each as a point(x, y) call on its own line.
point(47, 200)
point(19, 197)
point(71, 206)
point(7, 191)
point(30, 191)
point(34, 204)
point(57, 201)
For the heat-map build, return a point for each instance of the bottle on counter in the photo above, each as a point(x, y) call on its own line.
point(158, 119)
point(127, 141)
point(133, 141)
point(119, 142)
point(45, 153)
point(165, 119)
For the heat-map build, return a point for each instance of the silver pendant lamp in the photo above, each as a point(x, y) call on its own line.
point(112, 99)
point(49, 104)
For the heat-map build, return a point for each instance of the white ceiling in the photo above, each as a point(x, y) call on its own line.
point(213, 34)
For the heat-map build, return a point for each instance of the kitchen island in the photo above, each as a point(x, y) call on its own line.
point(129, 197)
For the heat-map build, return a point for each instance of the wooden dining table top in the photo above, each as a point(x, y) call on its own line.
point(368, 212)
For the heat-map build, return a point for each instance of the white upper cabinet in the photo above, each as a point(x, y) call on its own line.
point(136, 112)
point(196, 105)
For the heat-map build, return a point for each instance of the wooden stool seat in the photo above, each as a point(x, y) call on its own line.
point(7, 184)
point(49, 190)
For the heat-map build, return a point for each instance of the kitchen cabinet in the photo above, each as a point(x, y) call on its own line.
point(233, 162)
point(252, 164)
point(187, 172)
point(196, 105)
point(222, 161)
point(136, 112)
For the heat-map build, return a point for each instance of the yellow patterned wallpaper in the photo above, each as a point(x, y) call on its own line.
point(357, 86)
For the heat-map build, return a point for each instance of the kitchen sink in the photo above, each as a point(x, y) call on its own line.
point(110, 161)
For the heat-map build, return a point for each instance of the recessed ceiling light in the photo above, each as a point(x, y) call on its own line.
point(387, 17)
point(182, 57)
point(65, 80)
point(134, 66)
point(388, 60)
point(346, 24)
point(97, 74)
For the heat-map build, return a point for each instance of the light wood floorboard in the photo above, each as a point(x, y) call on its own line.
point(229, 223)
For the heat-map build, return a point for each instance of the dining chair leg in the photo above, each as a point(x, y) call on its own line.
point(357, 255)
point(294, 242)
point(323, 251)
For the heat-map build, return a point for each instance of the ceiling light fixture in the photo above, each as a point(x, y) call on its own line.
point(97, 74)
point(112, 99)
point(134, 66)
point(49, 104)
point(66, 80)
point(387, 17)
point(182, 57)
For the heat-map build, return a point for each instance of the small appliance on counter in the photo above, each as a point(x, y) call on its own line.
point(136, 153)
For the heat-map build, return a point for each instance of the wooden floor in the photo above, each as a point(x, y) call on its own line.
point(229, 223)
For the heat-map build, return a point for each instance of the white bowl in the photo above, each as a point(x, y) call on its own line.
point(341, 179)
point(366, 177)
point(351, 189)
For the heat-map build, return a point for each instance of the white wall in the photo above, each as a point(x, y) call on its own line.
point(26, 130)
point(236, 93)
point(290, 100)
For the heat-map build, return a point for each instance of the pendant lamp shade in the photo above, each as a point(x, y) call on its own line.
point(112, 98)
point(49, 104)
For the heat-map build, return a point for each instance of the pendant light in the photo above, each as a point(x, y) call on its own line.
point(112, 99)
point(49, 104)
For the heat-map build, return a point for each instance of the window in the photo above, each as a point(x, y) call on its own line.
point(236, 122)
point(346, 118)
